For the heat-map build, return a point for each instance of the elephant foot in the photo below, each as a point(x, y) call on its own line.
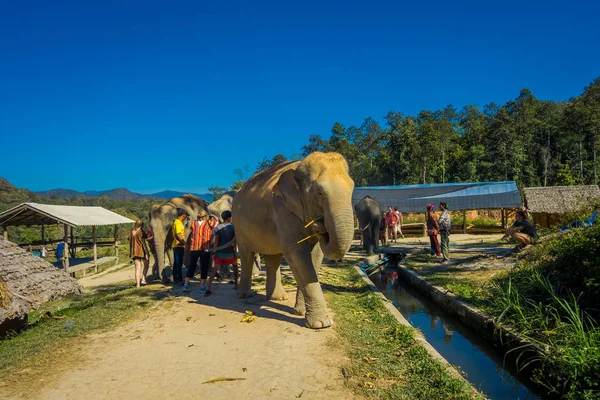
point(318, 321)
point(299, 309)
point(278, 294)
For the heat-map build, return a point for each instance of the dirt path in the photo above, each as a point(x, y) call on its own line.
point(174, 349)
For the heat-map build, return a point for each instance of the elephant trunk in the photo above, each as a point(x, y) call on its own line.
point(339, 221)
point(159, 248)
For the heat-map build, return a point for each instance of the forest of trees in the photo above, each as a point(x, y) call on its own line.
point(531, 141)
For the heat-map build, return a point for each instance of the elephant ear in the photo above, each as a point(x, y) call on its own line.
point(288, 189)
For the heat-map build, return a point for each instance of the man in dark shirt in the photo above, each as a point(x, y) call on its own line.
point(223, 234)
point(521, 230)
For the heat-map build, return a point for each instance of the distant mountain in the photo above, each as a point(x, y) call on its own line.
point(60, 193)
point(116, 194)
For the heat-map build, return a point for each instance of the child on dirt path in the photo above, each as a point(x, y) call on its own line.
point(223, 234)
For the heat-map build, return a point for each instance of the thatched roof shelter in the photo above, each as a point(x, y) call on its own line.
point(559, 199)
point(28, 281)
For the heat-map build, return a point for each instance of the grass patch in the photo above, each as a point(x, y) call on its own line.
point(59, 327)
point(385, 360)
point(550, 297)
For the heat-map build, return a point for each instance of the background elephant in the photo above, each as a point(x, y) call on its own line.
point(161, 219)
point(282, 205)
point(225, 203)
point(369, 214)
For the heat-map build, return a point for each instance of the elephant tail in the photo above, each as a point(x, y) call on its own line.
point(366, 227)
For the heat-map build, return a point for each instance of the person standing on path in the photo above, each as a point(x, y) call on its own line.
point(390, 222)
point(399, 221)
point(433, 229)
point(223, 234)
point(138, 252)
point(200, 235)
point(445, 226)
point(178, 244)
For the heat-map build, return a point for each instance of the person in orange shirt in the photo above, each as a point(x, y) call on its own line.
point(200, 235)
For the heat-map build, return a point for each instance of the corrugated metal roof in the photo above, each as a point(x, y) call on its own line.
point(47, 214)
point(459, 196)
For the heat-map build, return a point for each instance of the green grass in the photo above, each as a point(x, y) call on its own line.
point(57, 328)
point(551, 298)
point(385, 360)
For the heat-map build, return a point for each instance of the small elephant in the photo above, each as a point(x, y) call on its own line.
point(369, 214)
point(301, 211)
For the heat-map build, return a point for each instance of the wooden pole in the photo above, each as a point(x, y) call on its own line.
point(73, 244)
point(464, 221)
point(116, 245)
point(5, 233)
point(503, 218)
point(95, 254)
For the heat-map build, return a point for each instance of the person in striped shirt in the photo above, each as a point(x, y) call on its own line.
point(200, 235)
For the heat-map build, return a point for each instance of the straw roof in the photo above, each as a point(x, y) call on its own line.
point(40, 214)
point(559, 199)
point(28, 281)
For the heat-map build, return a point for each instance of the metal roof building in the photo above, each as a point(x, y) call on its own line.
point(459, 196)
point(27, 214)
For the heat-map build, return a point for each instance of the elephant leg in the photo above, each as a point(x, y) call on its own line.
point(300, 307)
point(375, 236)
point(275, 290)
point(304, 265)
point(317, 259)
point(245, 286)
point(256, 265)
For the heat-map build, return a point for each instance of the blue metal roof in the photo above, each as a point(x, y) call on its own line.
point(459, 196)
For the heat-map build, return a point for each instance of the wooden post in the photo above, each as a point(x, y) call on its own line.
point(5, 233)
point(464, 221)
point(503, 218)
point(73, 244)
point(95, 254)
point(116, 245)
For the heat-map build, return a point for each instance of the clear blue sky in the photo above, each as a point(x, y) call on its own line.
point(141, 94)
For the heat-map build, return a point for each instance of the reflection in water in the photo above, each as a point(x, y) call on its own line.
point(457, 344)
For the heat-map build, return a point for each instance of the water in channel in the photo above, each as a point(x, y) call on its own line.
point(456, 343)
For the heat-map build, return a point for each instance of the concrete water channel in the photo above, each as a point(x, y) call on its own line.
point(483, 365)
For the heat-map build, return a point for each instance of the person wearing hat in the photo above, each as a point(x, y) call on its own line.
point(445, 227)
point(200, 235)
point(179, 244)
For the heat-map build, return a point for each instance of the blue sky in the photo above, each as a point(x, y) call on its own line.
point(154, 95)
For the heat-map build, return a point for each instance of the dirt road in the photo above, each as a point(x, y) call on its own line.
point(175, 349)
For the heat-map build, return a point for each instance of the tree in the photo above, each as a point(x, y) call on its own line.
point(266, 163)
point(217, 191)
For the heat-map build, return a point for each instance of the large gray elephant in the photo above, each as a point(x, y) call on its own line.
point(297, 210)
point(369, 214)
point(161, 220)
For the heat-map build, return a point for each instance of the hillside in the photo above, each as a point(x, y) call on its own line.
point(115, 194)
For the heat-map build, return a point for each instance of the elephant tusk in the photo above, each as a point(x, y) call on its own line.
point(313, 221)
point(365, 228)
point(309, 236)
